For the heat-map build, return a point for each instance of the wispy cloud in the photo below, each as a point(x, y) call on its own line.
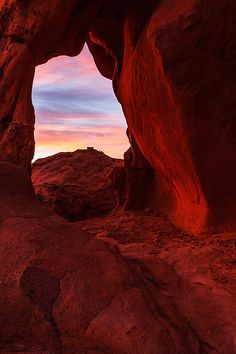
point(75, 108)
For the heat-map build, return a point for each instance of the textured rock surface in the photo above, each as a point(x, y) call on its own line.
point(127, 283)
point(110, 285)
point(81, 188)
point(24, 43)
point(175, 79)
point(176, 84)
point(173, 71)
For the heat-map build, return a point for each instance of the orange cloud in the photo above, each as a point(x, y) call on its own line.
point(111, 140)
point(75, 108)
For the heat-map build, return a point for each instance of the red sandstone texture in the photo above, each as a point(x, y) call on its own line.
point(126, 283)
point(175, 79)
point(83, 185)
point(129, 282)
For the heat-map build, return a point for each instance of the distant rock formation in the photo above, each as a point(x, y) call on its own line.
point(77, 185)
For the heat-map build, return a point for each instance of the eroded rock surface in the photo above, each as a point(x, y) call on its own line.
point(111, 285)
point(83, 186)
point(176, 84)
point(128, 283)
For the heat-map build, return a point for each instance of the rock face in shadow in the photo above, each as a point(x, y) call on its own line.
point(128, 283)
point(31, 34)
point(83, 185)
point(175, 78)
point(173, 71)
point(109, 285)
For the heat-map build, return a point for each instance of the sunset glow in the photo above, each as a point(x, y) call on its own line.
point(75, 107)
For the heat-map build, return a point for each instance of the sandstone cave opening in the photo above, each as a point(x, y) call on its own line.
point(75, 108)
point(79, 119)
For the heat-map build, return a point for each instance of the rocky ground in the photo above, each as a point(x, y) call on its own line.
point(77, 185)
point(128, 282)
point(150, 232)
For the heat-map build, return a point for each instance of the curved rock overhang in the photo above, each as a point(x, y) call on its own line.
point(173, 71)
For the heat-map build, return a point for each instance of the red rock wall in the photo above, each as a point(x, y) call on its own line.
point(175, 79)
point(173, 70)
point(177, 91)
point(32, 32)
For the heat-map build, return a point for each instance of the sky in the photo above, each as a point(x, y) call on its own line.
point(75, 107)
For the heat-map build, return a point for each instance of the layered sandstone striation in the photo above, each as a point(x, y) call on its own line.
point(83, 185)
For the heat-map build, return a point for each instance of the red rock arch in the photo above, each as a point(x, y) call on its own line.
point(173, 72)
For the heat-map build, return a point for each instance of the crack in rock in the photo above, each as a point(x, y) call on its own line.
point(43, 290)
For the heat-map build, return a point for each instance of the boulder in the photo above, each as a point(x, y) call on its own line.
point(82, 186)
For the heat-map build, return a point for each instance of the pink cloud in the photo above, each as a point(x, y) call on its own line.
point(62, 69)
point(51, 139)
point(75, 108)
